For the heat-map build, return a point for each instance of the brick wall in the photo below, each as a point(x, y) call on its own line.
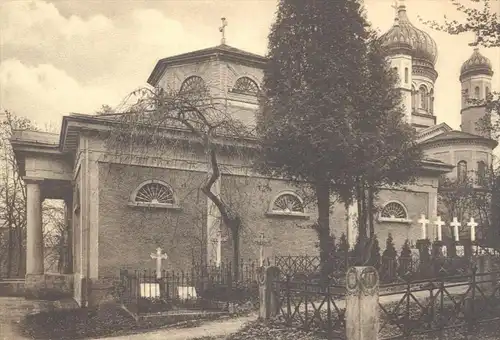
point(128, 235)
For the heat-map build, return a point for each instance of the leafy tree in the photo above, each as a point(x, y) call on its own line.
point(330, 113)
point(343, 246)
point(405, 249)
point(375, 253)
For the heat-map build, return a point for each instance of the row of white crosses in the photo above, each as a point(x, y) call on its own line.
point(439, 223)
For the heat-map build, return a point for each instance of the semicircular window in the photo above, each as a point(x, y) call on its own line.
point(193, 85)
point(288, 203)
point(245, 85)
point(154, 193)
point(393, 210)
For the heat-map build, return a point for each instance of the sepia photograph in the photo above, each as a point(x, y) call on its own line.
point(249, 169)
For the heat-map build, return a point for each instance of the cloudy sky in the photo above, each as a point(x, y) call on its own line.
point(65, 56)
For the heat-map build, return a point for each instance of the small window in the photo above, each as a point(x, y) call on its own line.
point(414, 94)
point(153, 193)
point(487, 92)
point(462, 171)
point(466, 97)
point(406, 76)
point(245, 85)
point(287, 203)
point(481, 173)
point(476, 92)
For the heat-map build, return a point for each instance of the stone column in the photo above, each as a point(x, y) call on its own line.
point(268, 295)
point(34, 239)
point(362, 313)
point(68, 220)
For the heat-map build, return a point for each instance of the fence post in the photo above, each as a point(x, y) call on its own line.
point(362, 313)
point(268, 295)
point(483, 265)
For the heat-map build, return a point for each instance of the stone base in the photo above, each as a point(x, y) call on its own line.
point(49, 286)
point(100, 292)
point(12, 287)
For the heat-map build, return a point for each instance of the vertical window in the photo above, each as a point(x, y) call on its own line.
point(487, 93)
point(406, 75)
point(413, 98)
point(462, 171)
point(423, 98)
point(481, 173)
point(476, 92)
point(431, 101)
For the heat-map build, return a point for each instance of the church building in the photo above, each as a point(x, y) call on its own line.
point(119, 211)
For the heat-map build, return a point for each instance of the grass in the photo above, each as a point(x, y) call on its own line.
point(86, 323)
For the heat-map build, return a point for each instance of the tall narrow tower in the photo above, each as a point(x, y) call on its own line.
point(413, 54)
point(475, 77)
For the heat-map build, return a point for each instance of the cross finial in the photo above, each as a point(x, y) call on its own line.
point(222, 29)
point(395, 6)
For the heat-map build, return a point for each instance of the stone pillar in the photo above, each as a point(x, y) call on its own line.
point(362, 313)
point(484, 265)
point(68, 220)
point(268, 294)
point(34, 239)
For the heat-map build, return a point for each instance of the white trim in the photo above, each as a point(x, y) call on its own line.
point(394, 220)
point(154, 205)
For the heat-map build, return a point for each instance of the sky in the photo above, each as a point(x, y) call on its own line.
point(63, 56)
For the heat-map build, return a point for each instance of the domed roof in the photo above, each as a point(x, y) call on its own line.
point(477, 64)
point(403, 37)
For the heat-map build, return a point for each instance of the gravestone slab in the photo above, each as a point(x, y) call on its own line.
point(150, 290)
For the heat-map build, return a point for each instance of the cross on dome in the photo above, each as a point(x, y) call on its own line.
point(222, 29)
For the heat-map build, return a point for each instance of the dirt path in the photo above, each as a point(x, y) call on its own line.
point(210, 328)
point(12, 310)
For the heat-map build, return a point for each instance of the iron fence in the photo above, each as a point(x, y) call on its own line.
point(312, 305)
point(202, 287)
point(419, 307)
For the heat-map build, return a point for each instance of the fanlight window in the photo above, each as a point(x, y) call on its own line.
point(245, 85)
point(193, 84)
point(288, 203)
point(394, 210)
point(154, 193)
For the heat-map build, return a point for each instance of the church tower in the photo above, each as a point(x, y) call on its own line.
point(475, 77)
point(413, 54)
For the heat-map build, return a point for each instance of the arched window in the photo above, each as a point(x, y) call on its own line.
point(487, 92)
point(476, 92)
point(462, 171)
point(423, 98)
point(466, 97)
point(394, 211)
point(481, 173)
point(407, 77)
point(153, 193)
point(287, 203)
point(193, 85)
point(245, 85)
point(431, 100)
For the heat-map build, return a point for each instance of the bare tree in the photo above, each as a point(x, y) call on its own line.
point(164, 120)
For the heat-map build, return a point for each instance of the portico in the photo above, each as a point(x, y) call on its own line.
point(47, 174)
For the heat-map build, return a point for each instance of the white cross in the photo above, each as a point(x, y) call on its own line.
point(395, 6)
point(158, 256)
point(455, 224)
point(261, 242)
point(472, 224)
point(222, 29)
point(423, 221)
point(439, 224)
point(218, 250)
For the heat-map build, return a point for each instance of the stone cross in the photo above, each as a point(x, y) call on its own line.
point(261, 242)
point(423, 221)
point(158, 256)
point(439, 223)
point(222, 29)
point(455, 224)
point(395, 6)
point(218, 249)
point(472, 224)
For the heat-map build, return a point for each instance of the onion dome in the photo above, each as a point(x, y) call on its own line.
point(475, 65)
point(405, 38)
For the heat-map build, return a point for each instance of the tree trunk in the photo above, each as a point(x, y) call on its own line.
point(323, 227)
point(236, 253)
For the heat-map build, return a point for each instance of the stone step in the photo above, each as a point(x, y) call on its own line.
point(12, 287)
